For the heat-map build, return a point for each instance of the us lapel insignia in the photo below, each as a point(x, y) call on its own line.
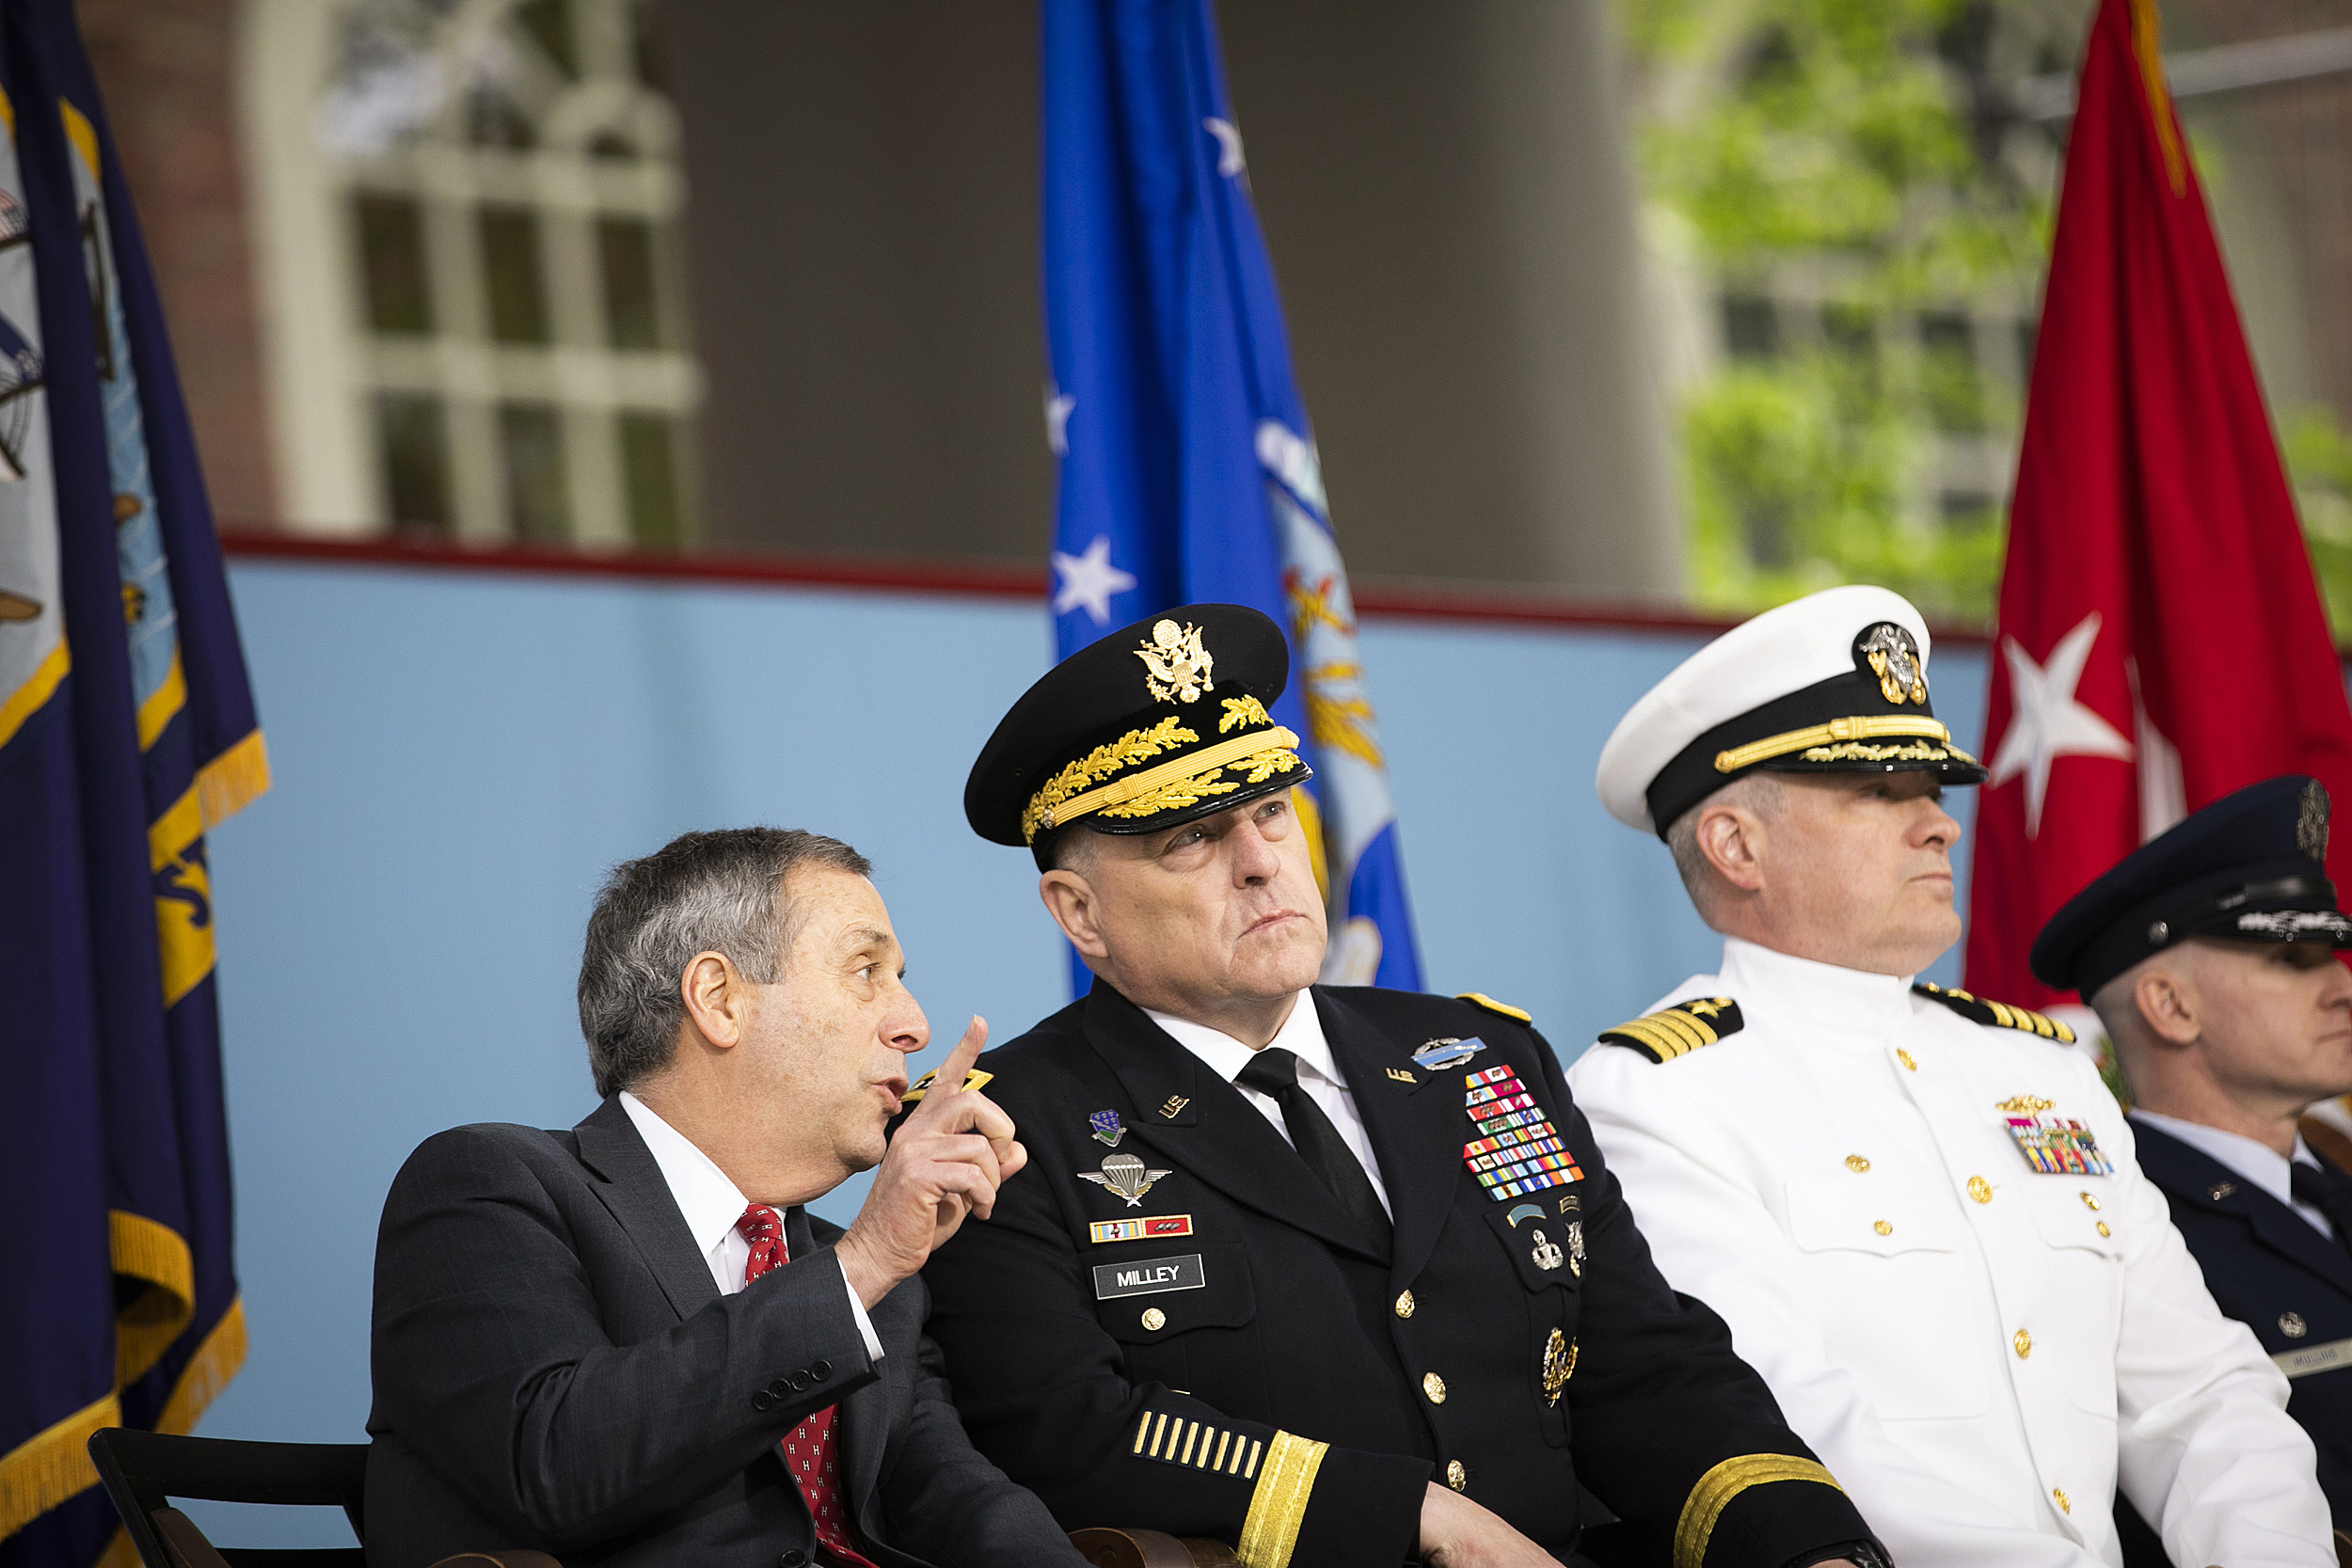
point(1106, 1128)
point(1124, 1175)
point(1402, 1076)
point(1440, 1055)
point(1174, 1104)
point(1559, 1365)
point(2053, 1145)
point(1515, 1150)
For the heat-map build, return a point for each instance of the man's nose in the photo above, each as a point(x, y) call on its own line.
point(1254, 859)
point(1938, 826)
point(906, 1029)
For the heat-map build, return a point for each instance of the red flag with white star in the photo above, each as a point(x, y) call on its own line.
point(2160, 640)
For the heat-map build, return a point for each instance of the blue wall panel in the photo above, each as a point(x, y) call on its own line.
point(458, 757)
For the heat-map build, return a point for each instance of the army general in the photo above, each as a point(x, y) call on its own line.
point(1918, 1211)
point(1334, 1275)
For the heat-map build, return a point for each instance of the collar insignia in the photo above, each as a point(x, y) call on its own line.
point(1178, 667)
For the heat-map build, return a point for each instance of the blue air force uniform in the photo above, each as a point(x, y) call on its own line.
point(1179, 1317)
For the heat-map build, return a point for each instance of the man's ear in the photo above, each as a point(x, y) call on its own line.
point(2169, 1004)
point(1732, 840)
point(718, 999)
point(1069, 899)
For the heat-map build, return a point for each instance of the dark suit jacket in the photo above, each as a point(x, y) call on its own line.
point(1160, 1407)
point(2267, 1268)
point(555, 1369)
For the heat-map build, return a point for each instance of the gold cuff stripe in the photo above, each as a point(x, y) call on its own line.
point(1119, 791)
point(1859, 728)
point(1196, 1445)
point(1727, 1481)
point(1270, 1532)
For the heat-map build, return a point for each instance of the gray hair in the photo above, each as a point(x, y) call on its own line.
point(1759, 792)
point(701, 893)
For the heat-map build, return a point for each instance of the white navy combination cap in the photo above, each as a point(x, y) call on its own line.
point(1836, 682)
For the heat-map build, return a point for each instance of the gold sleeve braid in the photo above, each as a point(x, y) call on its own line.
point(1727, 1481)
point(1270, 1532)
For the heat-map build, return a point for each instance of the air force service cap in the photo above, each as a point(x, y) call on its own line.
point(1151, 727)
point(2252, 866)
point(1836, 682)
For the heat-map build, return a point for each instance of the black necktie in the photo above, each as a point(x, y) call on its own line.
point(2327, 1192)
point(1274, 1072)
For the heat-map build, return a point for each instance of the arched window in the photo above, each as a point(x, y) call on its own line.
point(473, 290)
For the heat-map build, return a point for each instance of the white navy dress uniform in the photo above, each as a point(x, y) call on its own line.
point(1919, 1212)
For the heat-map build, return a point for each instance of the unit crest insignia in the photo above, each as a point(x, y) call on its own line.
point(1977, 1010)
point(1893, 658)
point(1179, 668)
point(1559, 1365)
point(1678, 1030)
point(1106, 1128)
point(1125, 1175)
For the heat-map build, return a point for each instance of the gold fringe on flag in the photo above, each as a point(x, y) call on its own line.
point(233, 780)
point(147, 1250)
point(47, 1469)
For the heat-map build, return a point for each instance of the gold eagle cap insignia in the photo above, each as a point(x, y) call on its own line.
point(1178, 667)
point(1893, 658)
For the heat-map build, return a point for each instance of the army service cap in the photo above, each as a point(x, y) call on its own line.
point(2252, 866)
point(1836, 682)
point(1153, 726)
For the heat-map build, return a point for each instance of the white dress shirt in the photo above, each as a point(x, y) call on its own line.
point(1301, 1034)
point(2258, 1163)
point(711, 1205)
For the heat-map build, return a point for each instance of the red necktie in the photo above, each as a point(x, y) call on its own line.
point(807, 1448)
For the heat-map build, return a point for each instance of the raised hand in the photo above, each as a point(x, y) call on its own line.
point(946, 1161)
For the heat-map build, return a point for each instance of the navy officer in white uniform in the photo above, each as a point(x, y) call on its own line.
point(1918, 1211)
point(2209, 954)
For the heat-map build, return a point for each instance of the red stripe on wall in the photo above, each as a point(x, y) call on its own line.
point(1380, 599)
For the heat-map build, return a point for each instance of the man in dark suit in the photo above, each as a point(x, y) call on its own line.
point(1335, 1274)
point(2209, 954)
point(627, 1343)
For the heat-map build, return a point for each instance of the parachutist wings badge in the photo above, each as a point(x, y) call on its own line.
point(1125, 1175)
point(1179, 667)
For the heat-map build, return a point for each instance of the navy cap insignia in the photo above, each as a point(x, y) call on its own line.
point(1179, 667)
point(1125, 1175)
point(1893, 658)
point(1106, 1128)
point(1440, 1055)
point(2310, 821)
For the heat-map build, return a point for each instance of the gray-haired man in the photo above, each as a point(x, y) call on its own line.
point(626, 1343)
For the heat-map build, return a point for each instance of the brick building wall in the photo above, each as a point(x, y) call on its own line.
point(167, 71)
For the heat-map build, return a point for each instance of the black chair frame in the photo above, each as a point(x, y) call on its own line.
point(144, 1470)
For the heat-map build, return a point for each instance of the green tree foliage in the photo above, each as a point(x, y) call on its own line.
point(1852, 168)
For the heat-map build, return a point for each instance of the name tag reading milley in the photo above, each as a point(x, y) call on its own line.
point(1147, 1275)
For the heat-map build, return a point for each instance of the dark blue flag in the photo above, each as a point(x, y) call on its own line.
point(1187, 468)
point(126, 730)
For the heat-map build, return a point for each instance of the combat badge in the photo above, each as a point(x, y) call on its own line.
point(2053, 1145)
point(1440, 1055)
point(1559, 1365)
point(1516, 1150)
point(1106, 1128)
point(1124, 1175)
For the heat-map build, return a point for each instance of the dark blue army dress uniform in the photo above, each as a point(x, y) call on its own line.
point(1170, 1321)
point(2249, 868)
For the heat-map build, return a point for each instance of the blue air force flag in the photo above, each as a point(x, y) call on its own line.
point(1187, 466)
point(126, 732)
